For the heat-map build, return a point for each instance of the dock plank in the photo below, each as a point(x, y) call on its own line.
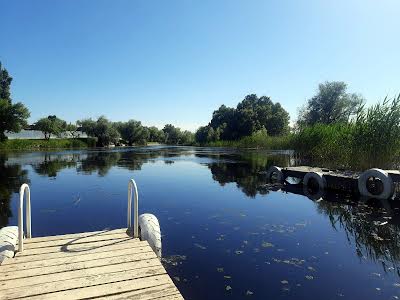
point(102, 264)
point(61, 265)
point(141, 285)
point(73, 235)
point(72, 255)
point(76, 241)
point(63, 274)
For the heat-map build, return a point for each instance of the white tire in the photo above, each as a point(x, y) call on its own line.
point(275, 171)
point(149, 230)
point(387, 182)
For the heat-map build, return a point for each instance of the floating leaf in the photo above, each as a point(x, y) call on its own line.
point(200, 246)
point(284, 281)
point(227, 277)
point(249, 293)
point(267, 244)
point(228, 288)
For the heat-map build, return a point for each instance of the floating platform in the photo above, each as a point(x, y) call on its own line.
point(107, 264)
point(381, 184)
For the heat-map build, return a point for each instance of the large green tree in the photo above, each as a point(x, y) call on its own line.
point(251, 115)
point(133, 132)
point(13, 117)
point(156, 135)
point(332, 104)
point(51, 126)
point(102, 129)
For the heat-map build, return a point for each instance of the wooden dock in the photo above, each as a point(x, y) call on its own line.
point(103, 265)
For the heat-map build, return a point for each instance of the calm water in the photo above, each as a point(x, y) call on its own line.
point(226, 233)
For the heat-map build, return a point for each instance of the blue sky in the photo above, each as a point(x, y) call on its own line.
point(177, 61)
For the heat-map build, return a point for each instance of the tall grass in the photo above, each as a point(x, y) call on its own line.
point(371, 140)
point(376, 135)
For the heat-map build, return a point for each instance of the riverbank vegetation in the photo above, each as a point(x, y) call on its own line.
point(47, 144)
point(334, 128)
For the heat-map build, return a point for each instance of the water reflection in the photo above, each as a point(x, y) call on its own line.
point(11, 178)
point(372, 228)
point(372, 225)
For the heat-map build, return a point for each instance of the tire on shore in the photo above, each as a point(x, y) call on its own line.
point(376, 183)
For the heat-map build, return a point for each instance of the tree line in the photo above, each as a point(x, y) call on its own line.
point(258, 116)
point(13, 118)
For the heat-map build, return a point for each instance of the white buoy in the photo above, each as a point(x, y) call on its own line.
point(146, 226)
point(149, 230)
point(8, 242)
point(376, 174)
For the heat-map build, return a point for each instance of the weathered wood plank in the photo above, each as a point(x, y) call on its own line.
point(44, 267)
point(82, 282)
point(155, 292)
point(108, 250)
point(84, 271)
point(139, 284)
point(79, 248)
point(77, 241)
point(104, 265)
point(72, 236)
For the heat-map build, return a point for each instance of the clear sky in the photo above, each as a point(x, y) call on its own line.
point(176, 61)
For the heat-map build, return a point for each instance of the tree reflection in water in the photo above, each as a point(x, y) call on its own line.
point(11, 178)
point(373, 227)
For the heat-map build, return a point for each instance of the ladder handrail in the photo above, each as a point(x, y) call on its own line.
point(133, 187)
point(24, 188)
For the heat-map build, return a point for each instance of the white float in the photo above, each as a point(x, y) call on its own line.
point(8, 242)
point(383, 176)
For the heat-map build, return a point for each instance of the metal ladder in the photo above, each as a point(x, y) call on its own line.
point(132, 187)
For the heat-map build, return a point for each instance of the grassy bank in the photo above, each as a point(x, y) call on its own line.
point(47, 144)
point(259, 140)
point(372, 139)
